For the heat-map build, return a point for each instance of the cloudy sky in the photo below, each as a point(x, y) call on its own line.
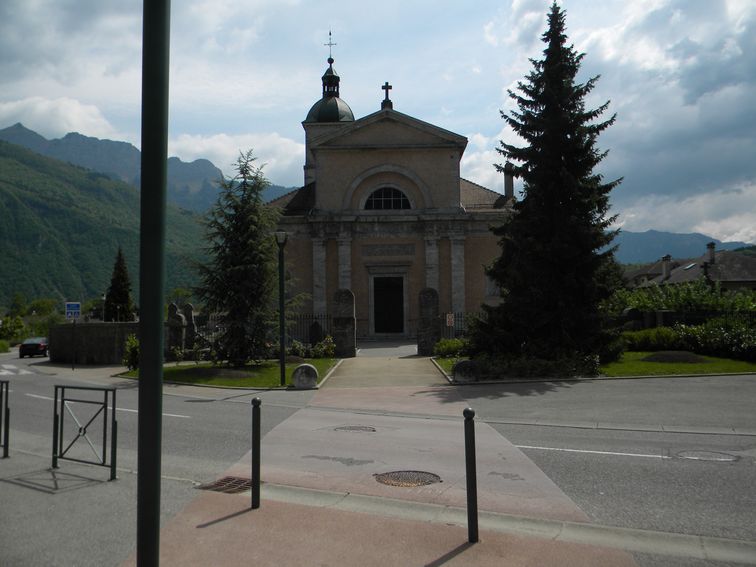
point(680, 75)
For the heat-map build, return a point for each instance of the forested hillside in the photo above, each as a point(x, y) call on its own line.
point(61, 225)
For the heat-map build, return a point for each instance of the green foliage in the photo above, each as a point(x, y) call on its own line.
point(656, 339)
point(4, 346)
point(59, 225)
point(729, 337)
point(237, 280)
point(131, 353)
point(686, 297)
point(18, 305)
point(119, 306)
point(12, 328)
point(324, 349)
point(448, 348)
point(39, 326)
point(43, 306)
point(551, 272)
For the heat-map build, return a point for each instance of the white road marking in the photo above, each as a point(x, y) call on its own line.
point(4, 372)
point(615, 453)
point(110, 407)
point(9, 366)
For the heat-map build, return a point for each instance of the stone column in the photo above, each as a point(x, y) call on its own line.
point(318, 275)
point(345, 262)
point(431, 263)
point(458, 273)
point(428, 327)
point(344, 324)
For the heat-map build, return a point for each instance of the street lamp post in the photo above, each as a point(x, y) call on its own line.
point(281, 241)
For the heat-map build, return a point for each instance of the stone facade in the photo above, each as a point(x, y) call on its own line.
point(384, 213)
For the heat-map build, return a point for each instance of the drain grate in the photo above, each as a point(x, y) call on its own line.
point(360, 428)
point(407, 479)
point(228, 485)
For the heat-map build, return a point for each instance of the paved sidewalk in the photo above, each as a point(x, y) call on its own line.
point(321, 503)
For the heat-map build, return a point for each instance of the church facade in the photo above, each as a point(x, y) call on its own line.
point(384, 213)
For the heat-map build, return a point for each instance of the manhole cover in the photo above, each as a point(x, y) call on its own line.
point(407, 478)
point(228, 485)
point(707, 456)
point(361, 428)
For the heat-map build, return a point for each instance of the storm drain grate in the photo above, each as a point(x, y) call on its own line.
point(359, 428)
point(228, 485)
point(407, 478)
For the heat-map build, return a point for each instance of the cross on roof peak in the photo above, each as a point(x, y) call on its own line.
point(386, 103)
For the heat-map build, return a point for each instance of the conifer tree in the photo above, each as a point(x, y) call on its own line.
point(552, 270)
point(237, 281)
point(119, 305)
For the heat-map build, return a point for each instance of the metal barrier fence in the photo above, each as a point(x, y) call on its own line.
point(4, 417)
point(301, 327)
point(62, 406)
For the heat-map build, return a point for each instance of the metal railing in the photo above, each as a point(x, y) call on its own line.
point(63, 406)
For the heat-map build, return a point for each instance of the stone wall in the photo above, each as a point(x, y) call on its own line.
point(92, 343)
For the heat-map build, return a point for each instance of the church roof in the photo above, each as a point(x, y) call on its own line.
point(299, 201)
point(474, 196)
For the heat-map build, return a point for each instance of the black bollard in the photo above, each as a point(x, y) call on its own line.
point(472, 481)
point(256, 453)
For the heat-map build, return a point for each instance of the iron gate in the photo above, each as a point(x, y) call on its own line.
point(63, 405)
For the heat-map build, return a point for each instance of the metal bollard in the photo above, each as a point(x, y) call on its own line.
point(256, 453)
point(471, 474)
point(5, 416)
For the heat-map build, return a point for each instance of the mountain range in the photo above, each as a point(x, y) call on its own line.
point(61, 226)
point(67, 204)
point(190, 185)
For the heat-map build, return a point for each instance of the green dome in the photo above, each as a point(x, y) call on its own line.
point(330, 108)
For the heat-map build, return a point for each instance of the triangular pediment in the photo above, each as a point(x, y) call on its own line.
point(388, 129)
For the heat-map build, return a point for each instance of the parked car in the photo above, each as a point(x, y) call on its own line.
point(33, 346)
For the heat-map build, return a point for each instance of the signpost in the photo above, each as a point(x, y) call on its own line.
point(73, 312)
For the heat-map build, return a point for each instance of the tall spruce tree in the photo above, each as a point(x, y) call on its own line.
point(237, 281)
point(119, 306)
point(552, 270)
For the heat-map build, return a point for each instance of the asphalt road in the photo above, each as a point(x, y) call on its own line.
point(674, 455)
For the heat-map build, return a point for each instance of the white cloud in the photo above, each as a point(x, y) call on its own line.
point(54, 118)
point(282, 158)
point(725, 215)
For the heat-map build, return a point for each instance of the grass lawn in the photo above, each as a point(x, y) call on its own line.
point(264, 375)
point(631, 364)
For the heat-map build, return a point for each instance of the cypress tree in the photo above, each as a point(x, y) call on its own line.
point(555, 268)
point(119, 305)
point(237, 281)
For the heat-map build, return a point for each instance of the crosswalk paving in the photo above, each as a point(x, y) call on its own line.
point(13, 370)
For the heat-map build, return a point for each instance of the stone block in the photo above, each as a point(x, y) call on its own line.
point(305, 377)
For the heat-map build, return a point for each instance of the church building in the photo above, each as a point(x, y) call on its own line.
point(384, 213)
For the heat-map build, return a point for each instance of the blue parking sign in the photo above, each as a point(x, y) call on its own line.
point(73, 309)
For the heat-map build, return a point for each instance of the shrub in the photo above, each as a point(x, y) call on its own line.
point(325, 348)
point(4, 346)
point(448, 348)
point(131, 352)
point(12, 328)
point(659, 338)
point(298, 349)
point(728, 337)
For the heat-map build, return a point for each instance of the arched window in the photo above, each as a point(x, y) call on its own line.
point(387, 198)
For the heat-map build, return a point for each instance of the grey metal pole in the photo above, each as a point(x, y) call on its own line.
point(256, 453)
point(281, 317)
point(471, 474)
point(155, 66)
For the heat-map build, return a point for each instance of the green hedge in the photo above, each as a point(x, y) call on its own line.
point(729, 337)
point(4, 346)
point(450, 348)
